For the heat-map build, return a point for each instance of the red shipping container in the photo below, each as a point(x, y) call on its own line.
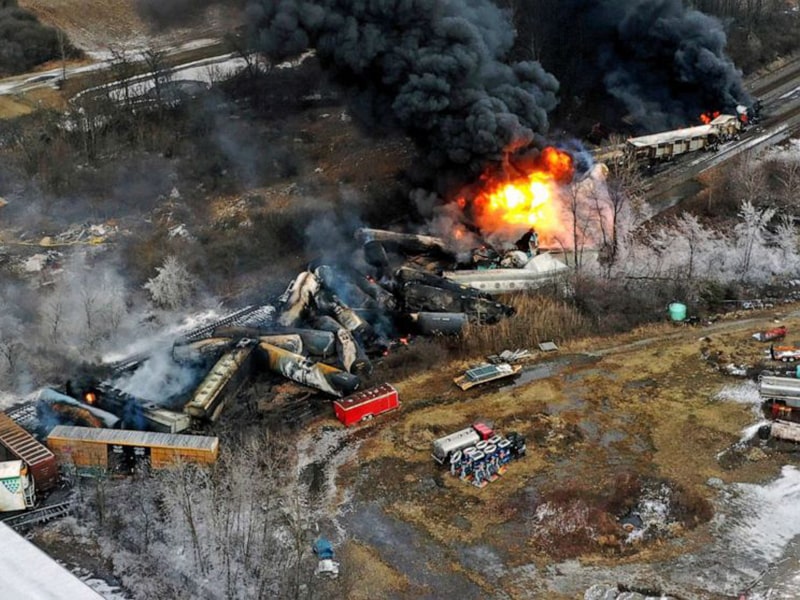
point(365, 405)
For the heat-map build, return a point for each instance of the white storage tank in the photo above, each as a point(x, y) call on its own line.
point(443, 447)
point(780, 388)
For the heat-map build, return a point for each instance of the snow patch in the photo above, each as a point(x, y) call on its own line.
point(767, 517)
point(741, 393)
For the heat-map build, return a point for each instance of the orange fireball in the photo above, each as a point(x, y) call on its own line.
point(526, 200)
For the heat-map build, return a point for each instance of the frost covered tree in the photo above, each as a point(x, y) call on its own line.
point(240, 529)
point(87, 305)
point(750, 234)
point(173, 286)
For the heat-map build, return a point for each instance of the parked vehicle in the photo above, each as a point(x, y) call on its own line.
point(784, 353)
point(771, 335)
point(326, 565)
point(363, 406)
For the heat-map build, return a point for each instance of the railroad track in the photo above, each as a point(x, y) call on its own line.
point(39, 515)
point(769, 82)
point(253, 316)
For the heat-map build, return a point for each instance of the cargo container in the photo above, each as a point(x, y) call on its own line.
point(120, 451)
point(16, 443)
point(364, 405)
point(17, 490)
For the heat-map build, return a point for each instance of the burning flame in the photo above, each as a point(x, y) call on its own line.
point(707, 117)
point(527, 200)
point(90, 397)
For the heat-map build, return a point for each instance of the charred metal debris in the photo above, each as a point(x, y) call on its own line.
point(323, 333)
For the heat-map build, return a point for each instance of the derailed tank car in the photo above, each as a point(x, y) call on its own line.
point(222, 383)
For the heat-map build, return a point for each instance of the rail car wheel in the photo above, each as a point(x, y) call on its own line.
point(367, 417)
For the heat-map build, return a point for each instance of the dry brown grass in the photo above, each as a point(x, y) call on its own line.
point(538, 319)
point(98, 24)
point(11, 108)
point(366, 576)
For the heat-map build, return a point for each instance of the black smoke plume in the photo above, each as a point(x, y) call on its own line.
point(436, 69)
point(663, 62)
point(439, 70)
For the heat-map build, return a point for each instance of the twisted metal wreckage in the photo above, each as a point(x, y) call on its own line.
point(323, 333)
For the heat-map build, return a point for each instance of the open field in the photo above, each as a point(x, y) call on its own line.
point(99, 24)
point(598, 424)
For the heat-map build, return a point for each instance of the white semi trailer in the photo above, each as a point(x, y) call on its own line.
point(444, 447)
point(783, 390)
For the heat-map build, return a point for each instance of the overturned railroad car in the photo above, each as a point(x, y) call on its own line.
point(222, 383)
point(16, 443)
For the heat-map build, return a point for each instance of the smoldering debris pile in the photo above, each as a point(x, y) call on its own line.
point(323, 333)
point(332, 321)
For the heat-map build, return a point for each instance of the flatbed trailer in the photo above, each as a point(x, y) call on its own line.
point(485, 373)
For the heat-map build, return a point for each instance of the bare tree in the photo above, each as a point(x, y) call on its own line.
point(11, 340)
point(240, 45)
point(690, 229)
point(786, 239)
point(52, 314)
point(123, 69)
point(789, 179)
point(160, 73)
